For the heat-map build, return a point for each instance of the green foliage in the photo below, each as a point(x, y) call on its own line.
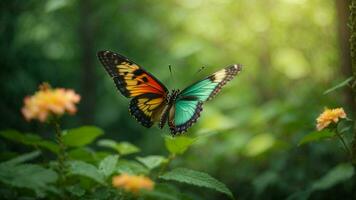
point(30, 176)
point(123, 148)
point(160, 195)
point(336, 175)
point(85, 169)
point(345, 126)
point(264, 180)
point(178, 145)
point(81, 136)
point(152, 162)
point(196, 178)
point(23, 158)
point(316, 136)
point(76, 190)
point(131, 167)
point(108, 165)
point(82, 153)
point(29, 139)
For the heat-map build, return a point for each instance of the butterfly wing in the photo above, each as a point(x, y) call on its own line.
point(207, 88)
point(188, 105)
point(147, 108)
point(133, 81)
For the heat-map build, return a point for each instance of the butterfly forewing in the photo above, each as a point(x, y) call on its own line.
point(133, 81)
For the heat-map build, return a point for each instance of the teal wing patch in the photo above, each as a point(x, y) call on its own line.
point(207, 88)
point(189, 103)
point(185, 114)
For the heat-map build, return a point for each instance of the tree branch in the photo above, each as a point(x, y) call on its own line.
point(352, 25)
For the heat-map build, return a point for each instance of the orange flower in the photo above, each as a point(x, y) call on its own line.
point(329, 116)
point(49, 101)
point(132, 183)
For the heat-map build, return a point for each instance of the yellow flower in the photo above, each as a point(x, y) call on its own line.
point(132, 183)
point(329, 116)
point(49, 101)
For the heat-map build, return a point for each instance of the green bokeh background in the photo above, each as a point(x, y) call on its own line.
point(292, 51)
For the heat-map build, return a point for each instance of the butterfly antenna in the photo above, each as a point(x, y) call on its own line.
point(201, 69)
point(171, 73)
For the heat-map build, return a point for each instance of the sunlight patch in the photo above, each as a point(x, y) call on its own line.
point(215, 120)
point(259, 144)
point(291, 62)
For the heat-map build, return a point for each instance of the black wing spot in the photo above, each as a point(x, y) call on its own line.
point(212, 78)
point(145, 79)
point(138, 72)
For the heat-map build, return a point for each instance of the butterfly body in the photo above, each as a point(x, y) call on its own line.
point(152, 102)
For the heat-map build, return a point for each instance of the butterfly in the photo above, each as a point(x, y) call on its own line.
point(151, 101)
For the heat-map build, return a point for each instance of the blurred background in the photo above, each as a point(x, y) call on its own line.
point(292, 51)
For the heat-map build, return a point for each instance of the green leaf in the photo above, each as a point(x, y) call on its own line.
point(131, 167)
point(316, 136)
point(158, 195)
point(29, 139)
point(76, 190)
point(30, 176)
point(13, 135)
point(106, 193)
point(81, 136)
point(178, 145)
point(53, 5)
point(338, 174)
point(345, 126)
point(108, 143)
point(82, 153)
point(152, 162)
point(163, 191)
point(196, 178)
point(340, 85)
point(300, 195)
point(51, 146)
point(123, 148)
point(85, 169)
point(22, 158)
point(108, 165)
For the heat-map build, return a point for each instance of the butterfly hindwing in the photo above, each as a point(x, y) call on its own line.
point(133, 81)
point(146, 108)
point(184, 114)
point(188, 104)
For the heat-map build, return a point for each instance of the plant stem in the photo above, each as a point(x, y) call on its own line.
point(62, 156)
point(165, 165)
